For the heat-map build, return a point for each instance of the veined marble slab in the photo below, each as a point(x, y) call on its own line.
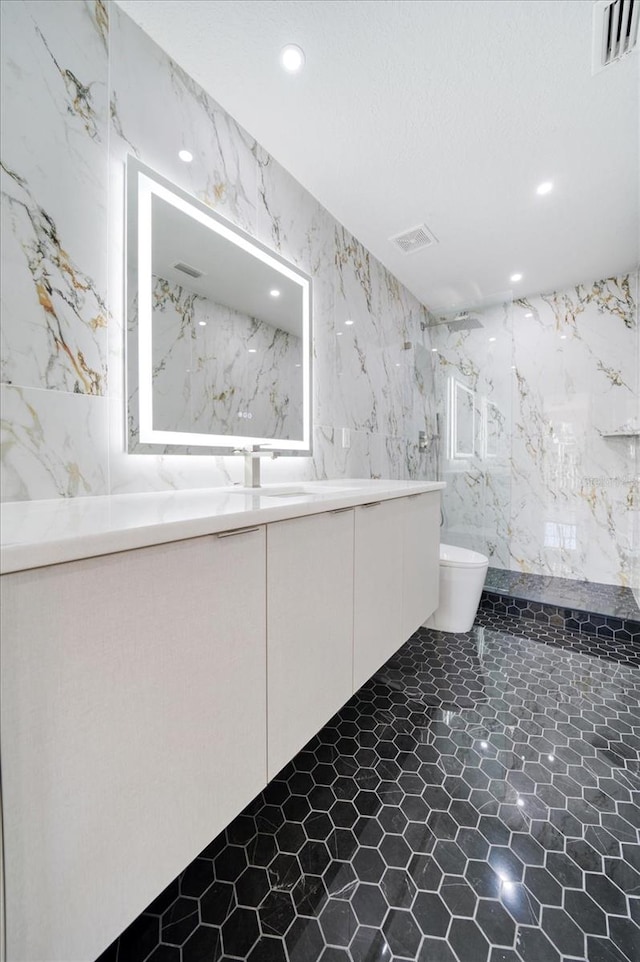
point(40, 533)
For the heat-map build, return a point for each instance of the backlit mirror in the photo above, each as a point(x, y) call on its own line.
point(219, 330)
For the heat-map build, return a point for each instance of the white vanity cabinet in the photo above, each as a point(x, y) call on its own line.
point(397, 571)
point(149, 688)
point(133, 730)
point(421, 560)
point(309, 628)
point(377, 621)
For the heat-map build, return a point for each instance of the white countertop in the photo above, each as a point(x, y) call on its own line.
point(39, 533)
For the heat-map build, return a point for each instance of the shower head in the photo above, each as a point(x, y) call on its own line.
point(463, 321)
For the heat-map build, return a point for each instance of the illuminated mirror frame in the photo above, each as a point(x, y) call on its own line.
point(142, 185)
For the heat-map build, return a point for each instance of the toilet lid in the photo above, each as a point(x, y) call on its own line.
point(452, 555)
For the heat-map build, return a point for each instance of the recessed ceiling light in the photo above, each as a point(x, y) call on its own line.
point(339, 333)
point(528, 314)
point(275, 293)
point(348, 323)
point(545, 188)
point(434, 350)
point(253, 350)
point(515, 278)
point(563, 337)
point(202, 323)
point(185, 155)
point(292, 58)
point(492, 338)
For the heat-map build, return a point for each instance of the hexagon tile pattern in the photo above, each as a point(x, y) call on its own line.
point(476, 801)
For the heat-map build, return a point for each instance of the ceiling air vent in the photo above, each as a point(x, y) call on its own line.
point(415, 239)
point(187, 269)
point(615, 31)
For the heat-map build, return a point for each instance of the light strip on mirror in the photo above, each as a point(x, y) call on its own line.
point(147, 188)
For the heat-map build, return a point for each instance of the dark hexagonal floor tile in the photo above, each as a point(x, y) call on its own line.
point(459, 896)
point(240, 931)
point(495, 922)
point(607, 895)
point(425, 872)
point(252, 886)
point(265, 950)
point(204, 943)
point(398, 888)
point(585, 913)
point(230, 863)
point(468, 941)
point(626, 935)
point(368, 944)
point(435, 950)
point(395, 851)
point(402, 933)
point(431, 914)
point(338, 922)
point(534, 946)
point(369, 904)
point(179, 921)
point(216, 903)
point(543, 885)
point(309, 895)
point(304, 940)
point(368, 865)
point(276, 913)
point(561, 929)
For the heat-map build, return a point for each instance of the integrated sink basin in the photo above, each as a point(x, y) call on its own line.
point(292, 490)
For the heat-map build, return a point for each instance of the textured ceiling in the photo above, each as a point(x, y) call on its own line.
point(448, 113)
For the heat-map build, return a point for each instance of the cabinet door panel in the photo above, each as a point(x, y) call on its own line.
point(309, 628)
point(378, 586)
point(133, 730)
point(421, 560)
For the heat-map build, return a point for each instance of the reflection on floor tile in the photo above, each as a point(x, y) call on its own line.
point(476, 801)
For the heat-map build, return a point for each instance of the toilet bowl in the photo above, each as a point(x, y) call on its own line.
point(462, 574)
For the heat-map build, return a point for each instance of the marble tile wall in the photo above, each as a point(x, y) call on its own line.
point(563, 497)
point(84, 87)
point(474, 395)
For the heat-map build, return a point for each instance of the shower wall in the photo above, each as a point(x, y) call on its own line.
point(473, 361)
point(551, 484)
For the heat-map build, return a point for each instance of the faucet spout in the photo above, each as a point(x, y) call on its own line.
point(252, 457)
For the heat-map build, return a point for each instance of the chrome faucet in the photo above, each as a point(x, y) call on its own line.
point(252, 457)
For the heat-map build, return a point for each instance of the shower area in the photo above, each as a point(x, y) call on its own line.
point(473, 366)
point(538, 431)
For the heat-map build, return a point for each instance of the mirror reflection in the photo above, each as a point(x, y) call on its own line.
point(222, 327)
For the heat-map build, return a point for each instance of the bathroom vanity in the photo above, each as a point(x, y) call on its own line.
point(164, 656)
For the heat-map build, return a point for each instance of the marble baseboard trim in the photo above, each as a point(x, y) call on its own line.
point(614, 630)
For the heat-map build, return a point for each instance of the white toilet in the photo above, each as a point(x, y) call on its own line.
point(462, 574)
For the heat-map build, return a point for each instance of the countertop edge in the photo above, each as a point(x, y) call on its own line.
point(23, 556)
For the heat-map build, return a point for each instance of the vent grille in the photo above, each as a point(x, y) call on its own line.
point(415, 239)
point(187, 269)
point(615, 31)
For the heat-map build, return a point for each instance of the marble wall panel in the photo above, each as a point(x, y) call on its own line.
point(52, 444)
point(557, 497)
point(85, 87)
